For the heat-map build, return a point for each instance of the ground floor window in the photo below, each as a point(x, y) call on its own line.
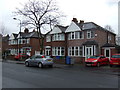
point(75, 51)
point(13, 51)
point(58, 51)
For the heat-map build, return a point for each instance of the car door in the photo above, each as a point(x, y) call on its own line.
point(37, 59)
point(32, 60)
point(101, 60)
point(104, 60)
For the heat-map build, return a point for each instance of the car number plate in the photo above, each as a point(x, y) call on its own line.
point(49, 60)
point(115, 63)
point(88, 64)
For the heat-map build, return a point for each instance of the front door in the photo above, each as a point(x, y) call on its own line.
point(88, 51)
point(107, 52)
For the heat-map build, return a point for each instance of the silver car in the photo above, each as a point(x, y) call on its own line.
point(39, 60)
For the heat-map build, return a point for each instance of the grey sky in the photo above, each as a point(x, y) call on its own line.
point(102, 12)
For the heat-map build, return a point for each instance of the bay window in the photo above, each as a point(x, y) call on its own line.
point(58, 51)
point(75, 51)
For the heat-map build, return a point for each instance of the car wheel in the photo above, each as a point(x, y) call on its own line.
point(86, 65)
point(27, 64)
point(50, 66)
point(40, 65)
point(98, 64)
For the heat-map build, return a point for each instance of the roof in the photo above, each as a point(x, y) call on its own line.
point(109, 45)
point(91, 25)
point(29, 35)
point(92, 42)
point(62, 28)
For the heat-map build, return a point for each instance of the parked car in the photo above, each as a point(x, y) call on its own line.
point(97, 60)
point(39, 60)
point(21, 56)
point(115, 60)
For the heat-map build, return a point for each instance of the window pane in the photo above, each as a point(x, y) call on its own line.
point(76, 35)
point(72, 51)
point(72, 35)
point(92, 34)
point(76, 51)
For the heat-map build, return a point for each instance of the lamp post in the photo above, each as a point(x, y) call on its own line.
point(20, 35)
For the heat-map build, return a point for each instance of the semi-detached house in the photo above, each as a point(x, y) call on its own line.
point(24, 42)
point(80, 40)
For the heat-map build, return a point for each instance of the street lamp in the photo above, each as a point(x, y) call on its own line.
point(20, 34)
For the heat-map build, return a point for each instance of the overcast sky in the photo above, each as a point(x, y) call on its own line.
point(101, 12)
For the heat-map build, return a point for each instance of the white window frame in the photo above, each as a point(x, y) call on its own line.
point(88, 32)
point(58, 37)
point(55, 51)
point(72, 51)
point(75, 35)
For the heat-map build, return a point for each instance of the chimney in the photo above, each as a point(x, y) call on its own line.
point(75, 20)
point(33, 30)
point(26, 30)
point(81, 21)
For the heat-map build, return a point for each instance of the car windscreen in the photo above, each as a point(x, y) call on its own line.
point(94, 57)
point(115, 56)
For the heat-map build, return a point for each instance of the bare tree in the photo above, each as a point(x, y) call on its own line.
point(109, 28)
point(40, 14)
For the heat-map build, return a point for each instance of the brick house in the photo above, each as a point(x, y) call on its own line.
point(24, 42)
point(80, 40)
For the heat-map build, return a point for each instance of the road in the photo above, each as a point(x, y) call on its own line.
point(19, 76)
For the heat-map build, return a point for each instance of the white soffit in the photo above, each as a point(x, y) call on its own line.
point(55, 30)
point(73, 27)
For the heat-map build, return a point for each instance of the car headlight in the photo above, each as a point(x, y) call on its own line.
point(94, 61)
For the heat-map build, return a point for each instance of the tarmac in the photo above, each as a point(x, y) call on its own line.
point(79, 67)
point(23, 62)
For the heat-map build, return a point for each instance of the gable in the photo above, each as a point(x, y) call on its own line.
point(12, 37)
point(55, 30)
point(18, 36)
point(73, 27)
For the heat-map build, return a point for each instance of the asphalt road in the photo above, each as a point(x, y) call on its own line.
point(19, 76)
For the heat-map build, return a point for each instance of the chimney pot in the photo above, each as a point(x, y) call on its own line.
point(75, 20)
point(26, 30)
point(81, 21)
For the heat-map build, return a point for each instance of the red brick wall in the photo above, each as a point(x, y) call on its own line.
point(34, 43)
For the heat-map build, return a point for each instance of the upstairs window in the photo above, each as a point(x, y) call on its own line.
point(109, 38)
point(75, 35)
point(58, 37)
point(90, 34)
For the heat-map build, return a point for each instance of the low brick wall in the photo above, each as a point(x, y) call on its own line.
point(62, 60)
